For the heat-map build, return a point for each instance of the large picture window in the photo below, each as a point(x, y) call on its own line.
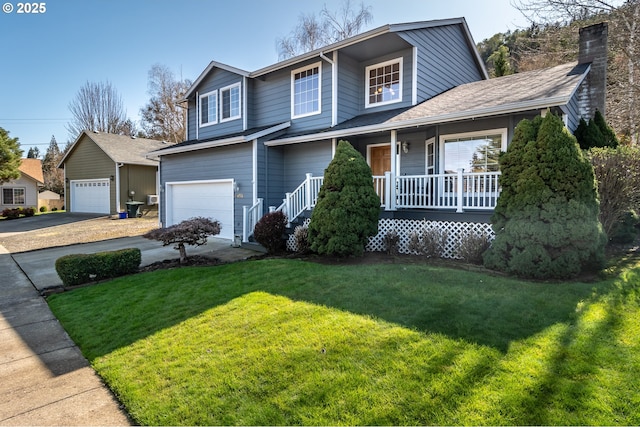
point(473, 152)
point(305, 91)
point(13, 196)
point(384, 83)
point(209, 108)
point(230, 102)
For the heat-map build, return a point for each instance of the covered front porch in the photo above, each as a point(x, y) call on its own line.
point(458, 192)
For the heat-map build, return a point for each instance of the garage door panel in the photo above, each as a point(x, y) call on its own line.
point(91, 196)
point(210, 199)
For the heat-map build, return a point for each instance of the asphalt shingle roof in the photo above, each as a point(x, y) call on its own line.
point(33, 169)
point(125, 149)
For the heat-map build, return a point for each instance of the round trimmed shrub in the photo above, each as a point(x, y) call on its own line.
point(347, 210)
point(546, 219)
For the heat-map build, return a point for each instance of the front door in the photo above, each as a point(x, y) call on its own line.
point(380, 158)
point(380, 162)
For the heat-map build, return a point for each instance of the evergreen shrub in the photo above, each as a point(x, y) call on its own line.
point(270, 231)
point(346, 213)
point(546, 219)
point(77, 269)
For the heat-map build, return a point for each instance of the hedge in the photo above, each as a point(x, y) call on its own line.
point(77, 269)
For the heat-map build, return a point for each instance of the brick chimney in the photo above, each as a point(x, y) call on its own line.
point(593, 50)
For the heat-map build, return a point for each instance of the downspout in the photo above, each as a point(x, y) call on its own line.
point(117, 184)
point(197, 115)
point(334, 87)
point(254, 166)
point(67, 202)
point(245, 122)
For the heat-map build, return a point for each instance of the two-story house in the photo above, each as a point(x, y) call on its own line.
point(415, 99)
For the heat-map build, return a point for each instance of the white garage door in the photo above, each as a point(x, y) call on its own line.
point(90, 196)
point(210, 199)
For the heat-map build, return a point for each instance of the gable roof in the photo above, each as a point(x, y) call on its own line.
point(385, 29)
point(33, 169)
point(121, 148)
point(532, 90)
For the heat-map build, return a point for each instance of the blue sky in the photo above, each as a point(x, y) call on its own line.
point(45, 58)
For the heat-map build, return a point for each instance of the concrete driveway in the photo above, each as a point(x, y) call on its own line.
point(43, 221)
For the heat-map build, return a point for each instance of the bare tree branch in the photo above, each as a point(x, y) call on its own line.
point(98, 107)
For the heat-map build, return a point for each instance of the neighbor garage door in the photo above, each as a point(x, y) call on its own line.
point(90, 196)
point(210, 199)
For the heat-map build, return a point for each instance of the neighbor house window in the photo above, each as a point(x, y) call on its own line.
point(230, 102)
point(13, 196)
point(384, 83)
point(209, 108)
point(305, 91)
point(473, 152)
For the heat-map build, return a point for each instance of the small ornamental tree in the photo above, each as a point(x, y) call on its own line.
point(546, 220)
point(193, 231)
point(347, 210)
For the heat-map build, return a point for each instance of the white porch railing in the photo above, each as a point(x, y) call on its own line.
point(460, 191)
point(250, 217)
point(302, 198)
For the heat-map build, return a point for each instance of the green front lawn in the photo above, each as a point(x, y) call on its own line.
point(276, 342)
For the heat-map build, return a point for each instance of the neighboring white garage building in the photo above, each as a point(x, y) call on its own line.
point(102, 170)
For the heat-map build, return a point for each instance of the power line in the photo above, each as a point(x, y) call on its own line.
point(35, 120)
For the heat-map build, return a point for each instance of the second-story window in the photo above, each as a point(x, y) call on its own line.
point(209, 108)
point(305, 91)
point(384, 83)
point(230, 102)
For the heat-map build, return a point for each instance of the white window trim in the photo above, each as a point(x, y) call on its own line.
point(367, 104)
point(214, 94)
point(443, 138)
point(293, 106)
point(239, 115)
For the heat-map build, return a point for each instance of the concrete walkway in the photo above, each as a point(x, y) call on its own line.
point(44, 379)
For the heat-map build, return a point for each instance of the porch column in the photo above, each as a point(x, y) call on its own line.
point(391, 183)
point(394, 152)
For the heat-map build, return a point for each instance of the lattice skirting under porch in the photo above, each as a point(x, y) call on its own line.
point(456, 232)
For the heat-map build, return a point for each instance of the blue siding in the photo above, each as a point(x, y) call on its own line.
point(300, 159)
point(216, 163)
point(216, 80)
point(349, 88)
point(445, 60)
point(574, 112)
point(271, 99)
point(288, 165)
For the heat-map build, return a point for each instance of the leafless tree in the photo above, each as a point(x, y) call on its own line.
point(98, 107)
point(163, 118)
point(623, 95)
point(313, 32)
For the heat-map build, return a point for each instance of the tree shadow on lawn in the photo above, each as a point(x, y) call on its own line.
point(475, 307)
